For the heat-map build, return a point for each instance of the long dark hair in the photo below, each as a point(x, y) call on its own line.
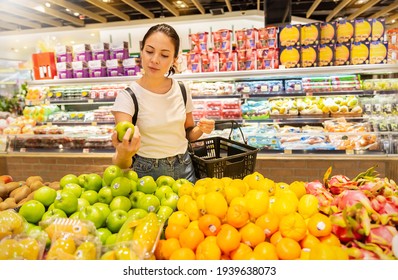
point(168, 31)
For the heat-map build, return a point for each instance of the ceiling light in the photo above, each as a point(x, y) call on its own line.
point(40, 8)
point(107, 1)
point(48, 5)
point(68, 10)
point(76, 14)
point(180, 4)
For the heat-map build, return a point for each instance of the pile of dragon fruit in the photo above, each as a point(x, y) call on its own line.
point(363, 211)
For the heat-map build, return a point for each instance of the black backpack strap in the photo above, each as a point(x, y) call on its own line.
point(183, 91)
point(132, 94)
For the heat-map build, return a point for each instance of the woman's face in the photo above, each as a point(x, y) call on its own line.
point(157, 55)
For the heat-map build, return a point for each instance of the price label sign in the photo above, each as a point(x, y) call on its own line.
point(22, 150)
point(90, 101)
point(94, 123)
point(349, 152)
point(287, 152)
point(86, 151)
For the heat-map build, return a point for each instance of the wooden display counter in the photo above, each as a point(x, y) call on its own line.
point(280, 168)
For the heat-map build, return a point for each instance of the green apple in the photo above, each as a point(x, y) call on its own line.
point(110, 173)
point(147, 184)
point(82, 203)
point(81, 179)
point(170, 199)
point(91, 196)
point(162, 190)
point(131, 174)
point(105, 195)
point(74, 188)
point(103, 234)
point(178, 183)
point(111, 239)
point(69, 178)
point(32, 211)
point(149, 202)
point(134, 185)
point(38, 233)
point(165, 180)
point(58, 213)
point(120, 202)
point(75, 216)
point(116, 219)
point(137, 213)
point(164, 212)
point(66, 201)
point(45, 195)
point(134, 197)
point(93, 182)
point(121, 186)
point(93, 214)
point(121, 129)
point(104, 208)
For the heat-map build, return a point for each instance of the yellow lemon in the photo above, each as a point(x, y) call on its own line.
point(308, 205)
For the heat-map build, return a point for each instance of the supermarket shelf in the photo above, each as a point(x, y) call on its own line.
point(72, 123)
point(242, 75)
point(81, 102)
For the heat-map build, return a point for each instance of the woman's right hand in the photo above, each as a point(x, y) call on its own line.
point(127, 149)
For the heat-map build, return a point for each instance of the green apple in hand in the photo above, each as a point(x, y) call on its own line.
point(105, 195)
point(120, 202)
point(45, 195)
point(116, 219)
point(121, 129)
point(32, 211)
point(110, 173)
point(134, 197)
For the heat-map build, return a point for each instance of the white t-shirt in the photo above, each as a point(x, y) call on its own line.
point(161, 119)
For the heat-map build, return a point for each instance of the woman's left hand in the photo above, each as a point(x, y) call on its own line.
point(206, 125)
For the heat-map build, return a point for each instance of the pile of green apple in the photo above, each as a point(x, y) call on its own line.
point(107, 201)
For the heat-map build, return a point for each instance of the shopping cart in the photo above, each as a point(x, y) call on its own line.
point(218, 157)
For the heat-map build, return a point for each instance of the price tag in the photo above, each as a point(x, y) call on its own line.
point(309, 93)
point(49, 123)
point(63, 107)
point(245, 95)
point(349, 152)
point(94, 123)
point(86, 150)
point(287, 152)
point(22, 150)
point(90, 101)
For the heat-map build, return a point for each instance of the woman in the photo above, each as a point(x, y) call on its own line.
point(164, 123)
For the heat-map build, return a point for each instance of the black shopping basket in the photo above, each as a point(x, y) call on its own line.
point(218, 157)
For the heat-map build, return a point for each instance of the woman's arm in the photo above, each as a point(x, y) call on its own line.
point(203, 126)
point(126, 149)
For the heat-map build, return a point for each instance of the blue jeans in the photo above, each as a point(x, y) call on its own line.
point(179, 166)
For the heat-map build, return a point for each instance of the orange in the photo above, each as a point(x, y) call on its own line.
point(276, 237)
point(269, 222)
point(200, 202)
point(228, 239)
point(209, 224)
point(323, 252)
point(257, 203)
point(237, 216)
point(216, 204)
point(183, 254)
point(319, 225)
point(198, 190)
point(227, 181)
point(182, 201)
point(185, 189)
point(190, 238)
point(238, 201)
point(288, 249)
point(215, 185)
point(208, 250)
point(308, 205)
point(265, 251)
point(179, 218)
point(293, 226)
point(267, 185)
point(330, 239)
point(285, 203)
point(194, 224)
point(242, 185)
point(231, 191)
point(309, 241)
point(242, 252)
point(30, 248)
point(192, 210)
point(251, 234)
point(166, 248)
point(305, 254)
point(173, 231)
point(298, 187)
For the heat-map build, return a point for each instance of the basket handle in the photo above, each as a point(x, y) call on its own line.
point(234, 123)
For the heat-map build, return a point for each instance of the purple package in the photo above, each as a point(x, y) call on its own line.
point(64, 70)
point(114, 67)
point(80, 69)
point(100, 51)
point(97, 68)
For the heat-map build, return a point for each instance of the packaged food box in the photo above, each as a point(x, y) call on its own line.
point(199, 42)
point(290, 56)
point(80, 69)
point(228, 61)
point(64, 53)
point(82, 52)
point(309, 56)
point(342, 54)
point(328, 32)
point(64, 70)
point(345, 31)
point(363, 30)
point(97, 68)
point(119, 50)
point(359, 53)
point(240, 38)
point(326, 54)
point(378, 29)
point(100, 51)
point(114, 67)
point(293, 86)
point(310, 34)
point(378, 52)
point(289, 35)
point(251, 38)
point(222, 40)
point(210, 61)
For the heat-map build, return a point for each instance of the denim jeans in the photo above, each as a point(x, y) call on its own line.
point(179, 166)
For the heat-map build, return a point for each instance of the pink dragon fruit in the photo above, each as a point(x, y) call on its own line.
point(339, 183)
point(382, 235)
point(325, 198)
point(351, 197)
point(385, 205)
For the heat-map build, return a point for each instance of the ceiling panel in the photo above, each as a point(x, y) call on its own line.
point(34, 14)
